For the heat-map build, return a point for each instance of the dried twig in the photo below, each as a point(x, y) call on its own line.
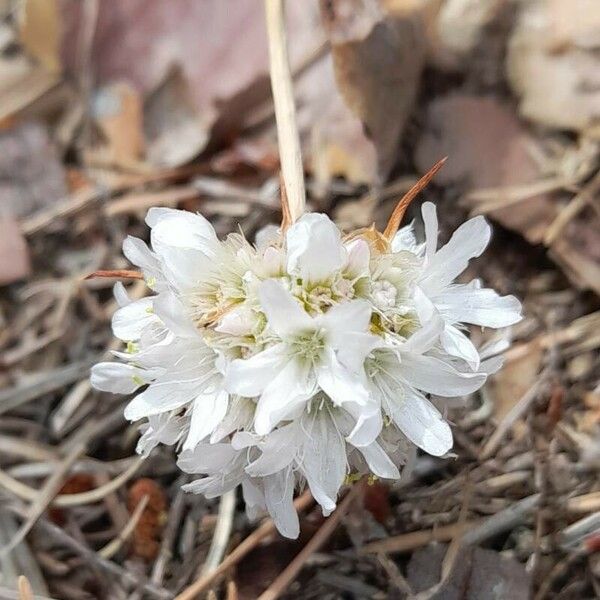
point(114, 546)
point(64, 500)
point(266, 529)
point(43, 498)
point(329, 526)
point(221, 533)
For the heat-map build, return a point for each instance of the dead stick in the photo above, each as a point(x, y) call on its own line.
point(416, 539)
point(267, 528)
point(293, 569)
point(285, 111)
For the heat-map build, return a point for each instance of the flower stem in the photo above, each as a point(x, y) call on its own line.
point(285, 112)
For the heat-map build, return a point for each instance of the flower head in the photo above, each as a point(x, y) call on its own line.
point(301, 360)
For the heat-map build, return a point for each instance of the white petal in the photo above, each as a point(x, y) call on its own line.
point(421, 422)
point(129, 322)
point(184, 268)
point(207, 458)
point(279, 498)
point(456, 343)
point(158, 398)
point(324, 459)
point(284, 314)
point(289, 388)
point(467, 242)
point(479, 306)
point(172, 313)
point(339, 383)
point(180, 229)
point(267, 235)
point(278, 451)
point(239, 322)
point(254, 499)
point(405, 240)
point(379, 462)
point(314, 248)
point(358, 259)
point(435, 376)
point(116, 378)
point(208, 411)
point(249, 377)
point(368, 426)
point(121, 296)
point(347, 331)
point(136, 252)
point(424, 338)
point(430, 221)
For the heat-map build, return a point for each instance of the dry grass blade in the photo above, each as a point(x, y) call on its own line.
point(25, 591)
point(64, 500)
point(43, 498)
point(116, 274)
point(266, 529)
point(285, 111)
point(329, 526)
point(416, 539)
point(517, 411)
point(114, 546)
point(221, 533)
point(398, 214)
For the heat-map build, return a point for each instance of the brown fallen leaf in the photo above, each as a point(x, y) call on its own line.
point(39, 32)
point(553, 64)
point(14, 253)
point(117, 112)
point(487, 148)
point(31, 174)
point(480, 573)
point(378, 52)
point(174, 130)
point(513, 380)
point(29, 63)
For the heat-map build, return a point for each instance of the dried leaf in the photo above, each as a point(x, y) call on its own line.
point(14, 252)
point(39, 32)
point(173, 129)
point(487, 148)
point(553, 63)
point(117, 111)
point(378, 56)
point(31, 175)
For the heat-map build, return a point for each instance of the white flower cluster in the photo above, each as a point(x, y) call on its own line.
point(303, 360)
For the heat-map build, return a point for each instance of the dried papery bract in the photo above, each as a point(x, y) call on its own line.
point(398, 214)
